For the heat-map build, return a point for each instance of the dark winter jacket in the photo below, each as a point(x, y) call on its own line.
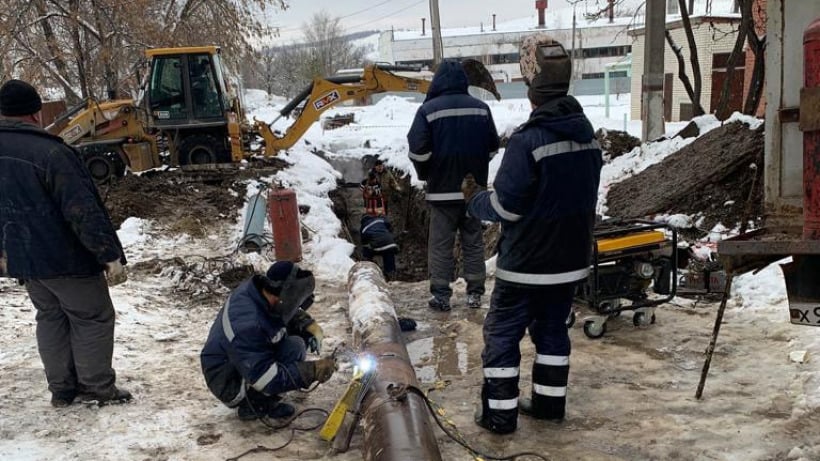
point(52, 221)
point(244, 336)
point(453, 134)
point(545, 194)
point(376, 233)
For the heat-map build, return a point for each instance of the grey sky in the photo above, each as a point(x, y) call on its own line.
point(360, 15)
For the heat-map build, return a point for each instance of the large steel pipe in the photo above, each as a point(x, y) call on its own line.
point(394, 430)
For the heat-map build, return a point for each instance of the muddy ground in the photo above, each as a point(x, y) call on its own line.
point(631, 393)
point(720, 174)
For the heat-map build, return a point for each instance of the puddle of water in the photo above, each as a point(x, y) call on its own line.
point(438, 357)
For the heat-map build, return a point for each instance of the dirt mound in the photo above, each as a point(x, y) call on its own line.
point(713, 175)
point(616, 143)
point(184, 201)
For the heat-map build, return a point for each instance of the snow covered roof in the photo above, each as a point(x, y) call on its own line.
point(559, 16)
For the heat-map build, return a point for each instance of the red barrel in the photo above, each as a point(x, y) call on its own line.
point(811, 139)
point(283, 213)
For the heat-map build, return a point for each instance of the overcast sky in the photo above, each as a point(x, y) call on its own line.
point(361, 15)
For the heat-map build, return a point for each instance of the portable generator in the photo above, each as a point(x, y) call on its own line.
point(629, 258)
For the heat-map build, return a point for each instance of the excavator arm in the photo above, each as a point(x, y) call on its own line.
point(325, 93)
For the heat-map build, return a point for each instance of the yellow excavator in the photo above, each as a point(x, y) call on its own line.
point(190, 109)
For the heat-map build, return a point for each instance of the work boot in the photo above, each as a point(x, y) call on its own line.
point(473, 300)
point(276, 410)
point(478, 417)
point(115, 397)
point(525, 407)
point(246, 412)
point(280, 410)
point(439, 304)
point(62, 399)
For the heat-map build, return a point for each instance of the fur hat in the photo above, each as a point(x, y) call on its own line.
point(19, 98)
point(545, 66)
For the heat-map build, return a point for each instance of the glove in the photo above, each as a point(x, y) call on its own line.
point(316, 336)
point(469, 187)
point(317, 370)
point(115, 273)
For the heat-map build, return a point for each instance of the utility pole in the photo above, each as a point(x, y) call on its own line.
point(435, 26)
point(652, 83)
point(572, 54)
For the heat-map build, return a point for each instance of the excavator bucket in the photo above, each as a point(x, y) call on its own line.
point(479, 76)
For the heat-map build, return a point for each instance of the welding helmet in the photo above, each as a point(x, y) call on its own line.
point(545, 66)
point(293, 286)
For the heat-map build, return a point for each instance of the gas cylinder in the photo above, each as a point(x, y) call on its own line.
point(283, 212)
point(811, 138)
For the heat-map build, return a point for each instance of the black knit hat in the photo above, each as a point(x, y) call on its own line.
point(278, 272)
point(19, 98)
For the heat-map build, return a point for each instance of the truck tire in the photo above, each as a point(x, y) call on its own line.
point(104, 163)
point(201, 149)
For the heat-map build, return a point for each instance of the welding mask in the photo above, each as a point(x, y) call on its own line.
point(295, 291)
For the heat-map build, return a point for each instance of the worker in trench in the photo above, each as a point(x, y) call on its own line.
point(377, 240)
point(545, 193)
point(257, 346)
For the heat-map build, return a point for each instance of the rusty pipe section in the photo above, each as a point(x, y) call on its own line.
point(394, 430)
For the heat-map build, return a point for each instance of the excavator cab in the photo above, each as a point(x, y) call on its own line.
point(186, 87)
point(188, 102)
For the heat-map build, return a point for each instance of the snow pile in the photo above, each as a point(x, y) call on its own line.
point(133, 232)
point(313, 178)
point(763, 292)
point(256, 99)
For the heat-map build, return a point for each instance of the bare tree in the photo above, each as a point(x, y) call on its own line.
point(757, 43)
point(324, 51)
point(89, 48)
point(694, 91)
point(723, 110)
point(330, 51)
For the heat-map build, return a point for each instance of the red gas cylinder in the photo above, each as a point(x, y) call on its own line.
point(283, 213)
point(811, 137)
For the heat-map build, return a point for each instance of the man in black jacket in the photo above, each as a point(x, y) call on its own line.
point(56, 236)
point(545, 193)
point(453, 134)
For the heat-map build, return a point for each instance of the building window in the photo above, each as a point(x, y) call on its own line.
point(606, 51)
point(601, 75)
point(672, 7)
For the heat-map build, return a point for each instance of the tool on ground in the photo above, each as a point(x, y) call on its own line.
point(351, 401)
point(711, 349)
point(628, 258)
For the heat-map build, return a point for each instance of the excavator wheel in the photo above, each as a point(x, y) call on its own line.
point(104, 164)
point(201, 149)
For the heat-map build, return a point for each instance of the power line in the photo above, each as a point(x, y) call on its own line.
point(365, 9)
point(293, 29)
point(388, 15)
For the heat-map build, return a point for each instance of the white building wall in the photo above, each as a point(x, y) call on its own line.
point(711, 38)
point(488, 43)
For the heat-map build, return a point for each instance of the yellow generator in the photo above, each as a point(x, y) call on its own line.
point(629, 258)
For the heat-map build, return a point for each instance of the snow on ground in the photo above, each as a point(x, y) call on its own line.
point(631, 394)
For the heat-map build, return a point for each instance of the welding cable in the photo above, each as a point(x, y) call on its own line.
point(287, 423)
point(400, 393)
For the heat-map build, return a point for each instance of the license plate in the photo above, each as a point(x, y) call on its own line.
point(805, 314)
